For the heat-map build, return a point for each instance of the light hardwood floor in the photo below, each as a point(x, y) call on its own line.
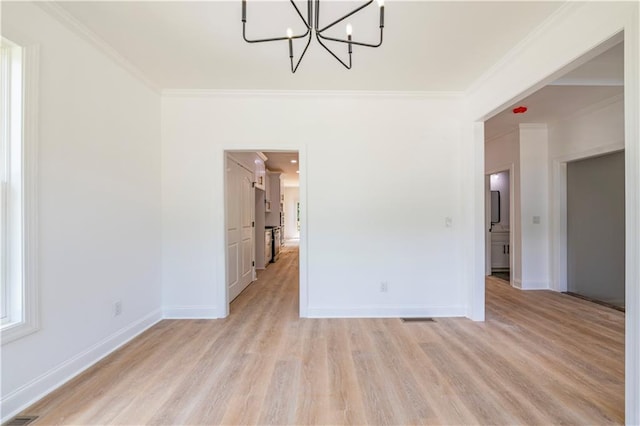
point(540, 358)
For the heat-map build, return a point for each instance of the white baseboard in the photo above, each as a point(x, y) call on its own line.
point(535, 285)
point(190, 312)
point(388, 312)
point(26, 395)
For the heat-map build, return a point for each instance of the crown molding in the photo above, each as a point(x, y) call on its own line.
point(509, 131)
point(215, 93)
point(564, 10)
point(71, 23)
point(588, 109)
point(563, 81)
point(533, 126)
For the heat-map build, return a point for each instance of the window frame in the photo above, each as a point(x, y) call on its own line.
point(19, 257)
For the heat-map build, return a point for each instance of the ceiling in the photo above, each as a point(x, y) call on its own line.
point(281, 162)
point(428, 45)
point(596, 81)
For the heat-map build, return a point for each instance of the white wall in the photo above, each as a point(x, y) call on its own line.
point(99, 209)
point(385, 223)
point(597, 129)
point(534, 206)
point(502, 152)
point(291, 198)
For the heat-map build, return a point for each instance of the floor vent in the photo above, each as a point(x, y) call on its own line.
point(21, 421)
point(418, 320)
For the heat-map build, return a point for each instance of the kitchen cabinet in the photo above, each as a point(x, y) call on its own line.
point(267, 191)
point(500, 251)
point(260, 172)
point(272, 199)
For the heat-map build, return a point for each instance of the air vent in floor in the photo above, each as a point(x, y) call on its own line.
point(417, 320)
point(21, 421)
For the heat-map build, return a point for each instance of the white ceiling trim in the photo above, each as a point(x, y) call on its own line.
point(588, 82)
point(502, 134)
point(533, 126)
point(566, 9)
point(77, 27)
point(213, 93)
point(589, 109)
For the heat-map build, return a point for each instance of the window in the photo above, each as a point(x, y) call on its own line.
point(18, 304)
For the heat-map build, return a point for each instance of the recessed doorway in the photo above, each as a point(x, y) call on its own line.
point(260, 189)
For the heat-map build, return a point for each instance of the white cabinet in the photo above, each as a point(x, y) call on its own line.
point(268, 191)
point(500, 250)
point(272, 199)
point(260, 174)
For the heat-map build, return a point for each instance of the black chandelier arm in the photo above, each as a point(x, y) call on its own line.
point(354, 11)
point(293, 70)
point(333, 54)
point(262, 40)
point(244, 25)
point(357, 43)
point(307, 24)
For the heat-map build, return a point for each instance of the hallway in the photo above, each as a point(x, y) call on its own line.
point(540, 358)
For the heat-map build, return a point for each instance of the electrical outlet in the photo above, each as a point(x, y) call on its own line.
point(536, 220)
point(117, 308)
point(384, 287)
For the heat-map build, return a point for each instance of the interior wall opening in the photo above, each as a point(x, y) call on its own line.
point(596, 229)
point(262, 221)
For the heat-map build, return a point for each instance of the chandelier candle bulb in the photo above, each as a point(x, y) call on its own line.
point(290, 34)
point(349, 29)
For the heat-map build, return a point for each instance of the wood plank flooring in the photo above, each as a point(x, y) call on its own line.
point(540, 358)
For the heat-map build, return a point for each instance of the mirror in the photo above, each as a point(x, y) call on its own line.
point(495, 207)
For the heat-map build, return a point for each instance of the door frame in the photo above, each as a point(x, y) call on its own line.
point(559, 209)
point(220, 212)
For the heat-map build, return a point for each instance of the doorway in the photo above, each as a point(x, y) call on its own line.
point(256, 193)
point(499, 245)
point(596, 229)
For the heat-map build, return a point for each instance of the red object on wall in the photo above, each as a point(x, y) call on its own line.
point(520, 110)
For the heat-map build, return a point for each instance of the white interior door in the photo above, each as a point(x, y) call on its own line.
point(240, 205)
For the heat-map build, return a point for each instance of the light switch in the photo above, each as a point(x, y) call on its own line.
point(448, 221)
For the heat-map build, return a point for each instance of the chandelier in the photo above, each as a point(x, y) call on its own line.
point(313, 27)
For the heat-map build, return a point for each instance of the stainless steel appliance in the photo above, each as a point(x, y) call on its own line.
point(275, 247)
